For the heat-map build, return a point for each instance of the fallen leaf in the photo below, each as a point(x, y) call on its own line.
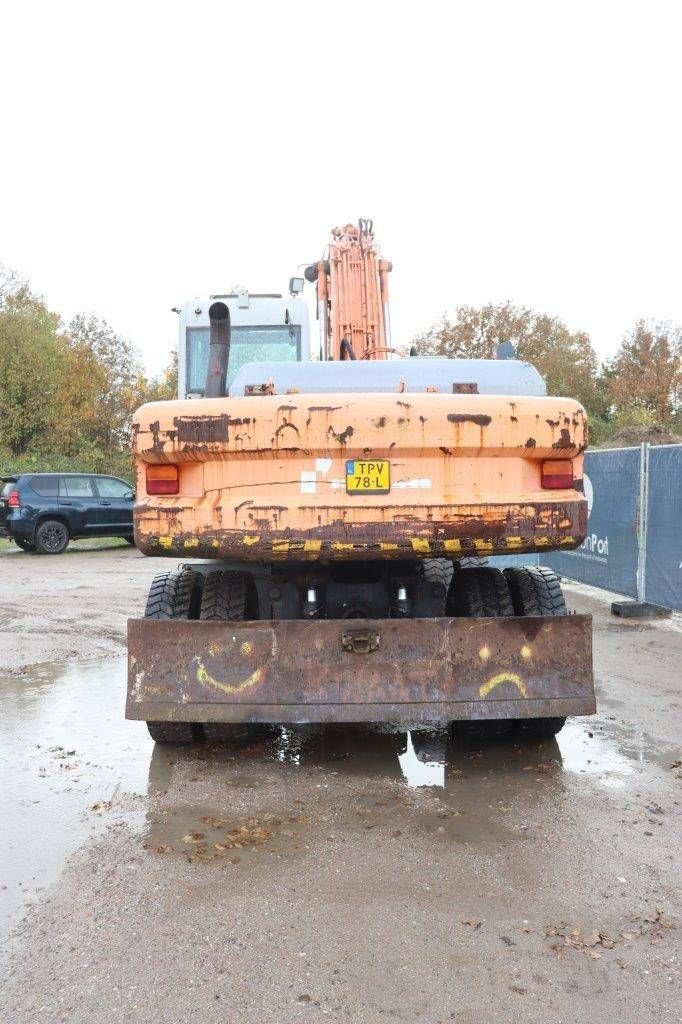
point(193, 837)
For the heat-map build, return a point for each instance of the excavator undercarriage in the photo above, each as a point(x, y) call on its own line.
point(416, 645)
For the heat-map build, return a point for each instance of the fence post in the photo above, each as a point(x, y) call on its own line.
point(642, 524)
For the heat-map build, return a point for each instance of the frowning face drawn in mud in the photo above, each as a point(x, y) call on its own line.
point(506, 676)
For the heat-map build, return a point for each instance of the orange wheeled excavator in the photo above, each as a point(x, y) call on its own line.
point(338, 515)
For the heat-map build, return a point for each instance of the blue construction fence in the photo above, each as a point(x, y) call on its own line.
point(634, 530)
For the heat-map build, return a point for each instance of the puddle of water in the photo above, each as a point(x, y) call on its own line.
point(428, 759)
point(64, 747)
point(588, 751)
point(424, 766)
point(288, 746)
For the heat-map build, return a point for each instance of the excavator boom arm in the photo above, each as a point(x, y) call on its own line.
point(352, 295)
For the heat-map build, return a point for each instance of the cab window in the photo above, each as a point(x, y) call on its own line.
point(248, 344)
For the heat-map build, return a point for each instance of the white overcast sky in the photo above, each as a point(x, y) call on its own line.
point(151, 152)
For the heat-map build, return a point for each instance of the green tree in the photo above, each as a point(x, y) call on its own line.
point(67, 395)
point(32, 351)
point(645, 376)
point(565, 358)
point(110, 389)
point(165, 386)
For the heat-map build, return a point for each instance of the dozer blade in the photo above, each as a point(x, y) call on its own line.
point(405, 671)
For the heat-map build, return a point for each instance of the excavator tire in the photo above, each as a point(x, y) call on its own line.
point(536, 590)
point(174, 595)
point(172, 732)
point(479, 731)
point(480, 593)
point(539, 728)
point(473, 562)
point(476, 593)
point(224, 597)
point(438, 570)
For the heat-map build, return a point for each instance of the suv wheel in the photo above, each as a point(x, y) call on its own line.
point(52, 537)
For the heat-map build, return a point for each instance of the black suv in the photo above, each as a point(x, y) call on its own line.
point(43, 511)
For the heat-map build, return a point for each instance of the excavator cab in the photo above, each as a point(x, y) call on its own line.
point(264, 327)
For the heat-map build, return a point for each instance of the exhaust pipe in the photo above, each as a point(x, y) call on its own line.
point(219, 351)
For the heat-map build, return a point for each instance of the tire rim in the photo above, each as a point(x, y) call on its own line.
point(53, 537)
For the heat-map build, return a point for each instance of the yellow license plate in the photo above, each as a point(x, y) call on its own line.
point(371, 477)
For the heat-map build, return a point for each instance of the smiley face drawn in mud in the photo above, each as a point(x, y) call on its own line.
point(204, 677)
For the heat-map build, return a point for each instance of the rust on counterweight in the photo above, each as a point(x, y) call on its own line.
point(401, 670)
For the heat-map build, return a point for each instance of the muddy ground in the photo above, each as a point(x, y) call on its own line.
point(71, 606)
point(311, 874)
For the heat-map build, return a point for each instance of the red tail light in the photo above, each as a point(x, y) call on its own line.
point(163, 480)
point(557, 474)
point(13, 499)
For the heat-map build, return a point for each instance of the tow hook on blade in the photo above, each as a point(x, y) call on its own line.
point(360, 641)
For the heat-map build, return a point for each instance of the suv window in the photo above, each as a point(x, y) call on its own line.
point(76, 487)
point(110, 487)
point(47, 486)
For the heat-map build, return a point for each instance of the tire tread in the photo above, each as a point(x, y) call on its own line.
point(535, 590)
point(173, 594)
point(224, 596)
point(480, 593)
